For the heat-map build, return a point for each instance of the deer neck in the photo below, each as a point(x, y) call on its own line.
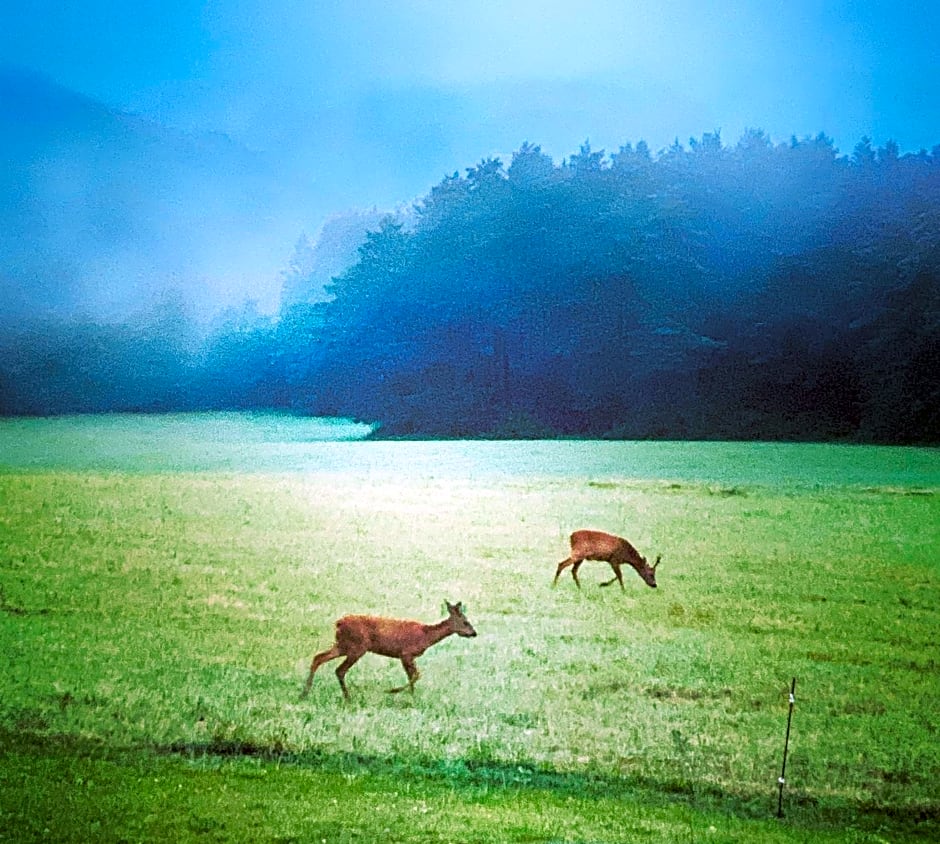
point(441, 630)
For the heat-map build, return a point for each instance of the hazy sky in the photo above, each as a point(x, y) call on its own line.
point(368, 103)
point(413, 89)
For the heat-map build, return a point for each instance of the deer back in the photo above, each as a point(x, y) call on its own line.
point(597, 545)
point(384, 636)
point(394, 637)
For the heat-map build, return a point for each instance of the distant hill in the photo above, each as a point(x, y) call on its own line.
point(102, 212)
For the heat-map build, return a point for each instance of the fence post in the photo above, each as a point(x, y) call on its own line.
point(786, 745)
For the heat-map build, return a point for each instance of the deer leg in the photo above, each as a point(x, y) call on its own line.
point(574, 573)
point(561, 567)
point(344, 666)
point(411, 670)
point(318, 660)
point(617, 576)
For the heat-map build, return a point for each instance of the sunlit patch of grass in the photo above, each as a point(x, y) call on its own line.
point(180, 611)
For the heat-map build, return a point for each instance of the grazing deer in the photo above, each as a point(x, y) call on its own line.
point(596, 545)
point(357, 635)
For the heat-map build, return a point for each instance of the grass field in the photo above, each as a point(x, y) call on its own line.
point(164, 583)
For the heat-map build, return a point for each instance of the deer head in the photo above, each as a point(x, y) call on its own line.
point(648, 572)
point(462, 627)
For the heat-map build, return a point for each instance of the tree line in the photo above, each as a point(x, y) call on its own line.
point(753, 290)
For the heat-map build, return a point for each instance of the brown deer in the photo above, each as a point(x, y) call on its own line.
point(597, 545)
point(357, 635)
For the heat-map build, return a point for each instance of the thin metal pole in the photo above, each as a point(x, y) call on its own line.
point(786, 745)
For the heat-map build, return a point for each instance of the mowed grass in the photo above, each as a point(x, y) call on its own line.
point(156, 629)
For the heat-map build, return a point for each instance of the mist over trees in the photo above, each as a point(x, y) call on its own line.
point(753, 290)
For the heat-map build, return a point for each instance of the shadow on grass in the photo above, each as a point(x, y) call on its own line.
point(469, 776)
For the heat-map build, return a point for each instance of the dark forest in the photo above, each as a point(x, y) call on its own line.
point(710, 291)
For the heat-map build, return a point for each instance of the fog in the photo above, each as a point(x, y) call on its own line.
point(104, 212)
point(370, 210)
point(737, 291)
point(192, 147)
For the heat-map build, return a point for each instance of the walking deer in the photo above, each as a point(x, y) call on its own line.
point(596, 545)
point(357, 635)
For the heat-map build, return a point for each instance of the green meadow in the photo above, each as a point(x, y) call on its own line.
point(165, 582)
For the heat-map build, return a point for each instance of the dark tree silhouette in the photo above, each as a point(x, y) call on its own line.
point(753, 290)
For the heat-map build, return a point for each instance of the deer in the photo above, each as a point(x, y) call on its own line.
point(400, 639)
point(597, 545)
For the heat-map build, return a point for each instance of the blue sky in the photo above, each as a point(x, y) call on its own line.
point(468, 79)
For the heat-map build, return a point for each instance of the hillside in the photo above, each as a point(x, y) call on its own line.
point(102, 213)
